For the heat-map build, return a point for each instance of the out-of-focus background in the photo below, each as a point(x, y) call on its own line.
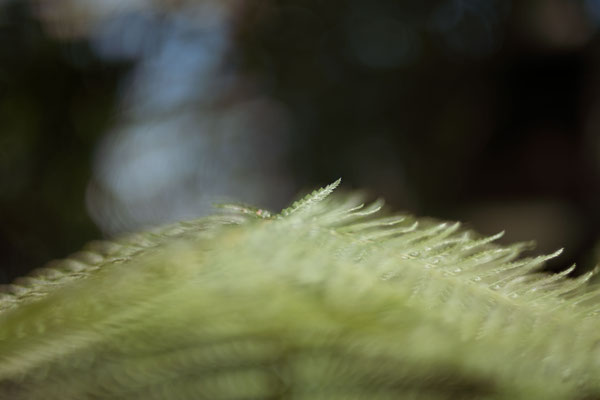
point(117, 115)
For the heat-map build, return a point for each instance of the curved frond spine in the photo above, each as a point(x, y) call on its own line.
point(243, 209)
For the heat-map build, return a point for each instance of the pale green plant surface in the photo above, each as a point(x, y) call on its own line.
point(326, 300)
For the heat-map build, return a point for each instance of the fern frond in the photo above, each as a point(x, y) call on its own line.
point(311, 199)
point(328, 300)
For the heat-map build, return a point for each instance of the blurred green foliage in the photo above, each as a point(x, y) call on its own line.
point(325, 300)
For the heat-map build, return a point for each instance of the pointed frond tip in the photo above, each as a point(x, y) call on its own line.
point(311, 199)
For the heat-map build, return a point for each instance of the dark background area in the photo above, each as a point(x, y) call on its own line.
point(114, 119)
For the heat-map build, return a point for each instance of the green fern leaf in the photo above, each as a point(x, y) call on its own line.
point(325, 301)
point(311, 199)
